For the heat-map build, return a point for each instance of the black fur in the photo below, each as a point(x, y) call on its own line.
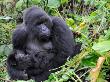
point(40, 43)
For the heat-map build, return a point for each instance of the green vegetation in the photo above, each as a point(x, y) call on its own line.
point(88, 19)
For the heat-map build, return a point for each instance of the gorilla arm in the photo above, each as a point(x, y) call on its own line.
point(19, 40)
point(13, 69)
point(62, 39)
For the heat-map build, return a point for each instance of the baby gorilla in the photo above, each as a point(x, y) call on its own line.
point(17, 63)
point(40, 43)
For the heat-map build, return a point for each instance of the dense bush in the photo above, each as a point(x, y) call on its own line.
point(6, 32)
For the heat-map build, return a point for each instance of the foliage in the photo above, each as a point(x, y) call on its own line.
point(6, 32)
point(88, 19)
point(102, 46)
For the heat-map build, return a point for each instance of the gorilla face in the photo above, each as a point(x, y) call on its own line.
point(39, 24)
point(42, 32)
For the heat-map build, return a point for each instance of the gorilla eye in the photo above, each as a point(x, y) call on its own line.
point(42, 21)
point(39, 23)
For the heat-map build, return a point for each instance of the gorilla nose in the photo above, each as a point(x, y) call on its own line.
point(44, 37)
point(45, 30)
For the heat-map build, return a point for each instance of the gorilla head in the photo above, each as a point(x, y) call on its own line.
point(40, 43)
point(39, 23)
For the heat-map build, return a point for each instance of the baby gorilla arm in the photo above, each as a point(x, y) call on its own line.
point(17, 74)
point(14, 70)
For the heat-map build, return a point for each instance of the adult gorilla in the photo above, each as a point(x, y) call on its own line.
point(40, 43)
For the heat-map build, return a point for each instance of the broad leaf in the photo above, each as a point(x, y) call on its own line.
point(65, 77)
point(19, 3)
point(63, 1)
point(2, 47)
point(53, 3)
point(36, 1)
point(102, 46)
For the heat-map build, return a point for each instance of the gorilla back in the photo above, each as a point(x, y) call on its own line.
point(40, 43)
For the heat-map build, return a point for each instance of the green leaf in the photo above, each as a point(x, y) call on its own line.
point(2, 47)
point(69, 21)
point(36, 1)
point(101, 80)
point(107, 36)
point(90, 60)
point(65, 77)
point(69, 72)
point(19, 3)
point(63, 1)
point(102, 46)
point(51, 77)
point(93, 13)
point(53, 3)
point(7, 50)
